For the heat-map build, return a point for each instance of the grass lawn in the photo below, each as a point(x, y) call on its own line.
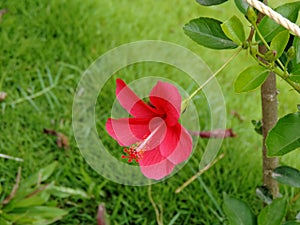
point(59, 39)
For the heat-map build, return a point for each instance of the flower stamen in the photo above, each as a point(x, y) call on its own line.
point(133, 154)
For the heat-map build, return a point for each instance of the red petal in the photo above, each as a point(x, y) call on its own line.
point(151, 157)
point(165, 97)
point(132, 103)
point(159, 170)
point(154, 165)
point(177, 145)
point(152, 154)
point(158, 131)
point(128, 131)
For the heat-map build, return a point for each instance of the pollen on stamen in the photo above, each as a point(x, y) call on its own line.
point(132, 154)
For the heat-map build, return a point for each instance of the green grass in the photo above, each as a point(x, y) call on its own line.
point(42, 39)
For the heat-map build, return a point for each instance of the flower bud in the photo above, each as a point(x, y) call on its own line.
point(253, 50)
point(270, 55)
point(251, 15)
point(291, 53)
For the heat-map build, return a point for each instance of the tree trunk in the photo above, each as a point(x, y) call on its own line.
point(269, 119)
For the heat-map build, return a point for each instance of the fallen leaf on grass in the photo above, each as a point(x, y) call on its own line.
point(61, 139)
point(218, 133)
point(2, 96)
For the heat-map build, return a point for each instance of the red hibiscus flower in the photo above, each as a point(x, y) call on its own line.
point(156, 140)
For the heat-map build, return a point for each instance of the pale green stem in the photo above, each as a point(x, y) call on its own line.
point(186, 101)
point(266, 44)
point(47, 89)
point(283, 75)
point(261, 37)
point(159, 218)
point(277, 71)
point(280, 73)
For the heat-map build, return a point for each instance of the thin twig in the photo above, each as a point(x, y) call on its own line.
point(15, 188)
point(159, 217)
point(275, 16)
point(37, 191)
point(215, 74)
point(207, 167)
point(10, 157)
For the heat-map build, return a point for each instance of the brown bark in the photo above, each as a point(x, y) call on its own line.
point(269, 119)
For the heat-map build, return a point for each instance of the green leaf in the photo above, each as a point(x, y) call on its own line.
point(279, 42)
point(210, 2)
point(37, 215)
point(250, 79)
point(42, 175)
point(4, 222)
point(264, 194)
point(296, 44)
point(208, 32)
point(242, 5)
point(64, 192)
point(285, 135)
point(269, 28)
point(291, 223)
point(295, 74)
point(238, 212)
point(274, 213)
point(234, 29)
point(287, 175)
point(257, 126)
point(42, 211)
point(32, 201)
point(26, 197)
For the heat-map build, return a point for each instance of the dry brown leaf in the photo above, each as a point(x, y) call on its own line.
point(218, 133)
point(61, 139)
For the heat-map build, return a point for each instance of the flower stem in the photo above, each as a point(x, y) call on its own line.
point(186, 101)
point(159, 215)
